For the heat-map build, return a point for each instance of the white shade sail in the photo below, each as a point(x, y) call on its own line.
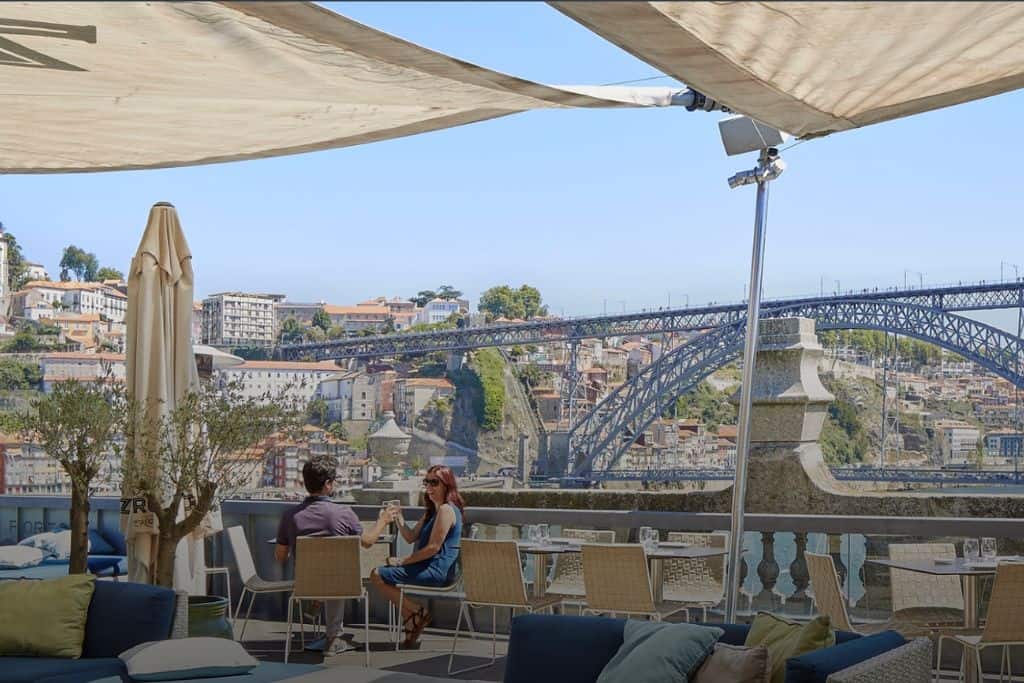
point(813, 68)
point(107, 86)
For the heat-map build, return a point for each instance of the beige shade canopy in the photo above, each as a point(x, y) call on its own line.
point(122, 85)
point(813, 68)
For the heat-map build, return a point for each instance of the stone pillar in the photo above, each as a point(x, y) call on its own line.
point(523, 463)
point(789, 400)
point(789, 409)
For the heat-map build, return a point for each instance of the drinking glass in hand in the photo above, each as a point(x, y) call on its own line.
point(971, 549)
point(988, 548)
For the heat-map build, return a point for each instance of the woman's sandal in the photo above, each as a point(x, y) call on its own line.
point(420, 620)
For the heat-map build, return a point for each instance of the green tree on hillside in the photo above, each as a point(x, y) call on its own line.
point(322, 320)
point(108, 273)
point(503, 301)
point(78, 262)
point(291, 331)
point(448, 293)
point(17, 268)
point(423, 297)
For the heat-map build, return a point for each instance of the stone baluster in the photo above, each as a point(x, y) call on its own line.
point(767, 571)
point(798, 568)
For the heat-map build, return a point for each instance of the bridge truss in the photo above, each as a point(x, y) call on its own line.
point(950, 299)
point(606, 433)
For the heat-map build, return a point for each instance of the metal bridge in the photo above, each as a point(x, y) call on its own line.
point(599, 440)
point(896, 475)
point(972, 297)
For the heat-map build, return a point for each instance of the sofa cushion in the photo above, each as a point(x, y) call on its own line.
point(38, 669)
point(20, 556)
point(45, 618)
point(55, 544)
point(736, 664)
point(653, 652)
point(787, 639)
point(563, 648)
point(123, 615)
point(98, 545)
point(817, 666)
point(116, 540)
point(187, 659)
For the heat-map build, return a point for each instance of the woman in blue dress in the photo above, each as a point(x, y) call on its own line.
point(433, 560)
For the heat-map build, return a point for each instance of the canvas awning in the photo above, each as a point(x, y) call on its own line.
point(812, 68)
point(108, 86)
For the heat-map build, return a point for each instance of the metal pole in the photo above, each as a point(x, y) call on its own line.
point(739, 489)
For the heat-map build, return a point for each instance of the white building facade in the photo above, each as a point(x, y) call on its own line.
point(235, 319)
point(290, 380)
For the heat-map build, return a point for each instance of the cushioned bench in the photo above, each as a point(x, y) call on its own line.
point(572, 649)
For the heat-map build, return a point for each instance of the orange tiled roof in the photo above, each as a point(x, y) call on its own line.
point(74, 355)
point(429, 382)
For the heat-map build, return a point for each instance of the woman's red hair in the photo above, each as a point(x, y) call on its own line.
point(451, 489)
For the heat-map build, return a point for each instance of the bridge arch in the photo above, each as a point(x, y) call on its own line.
point(606, 433)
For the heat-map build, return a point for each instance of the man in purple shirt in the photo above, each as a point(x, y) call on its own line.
point(317, 515)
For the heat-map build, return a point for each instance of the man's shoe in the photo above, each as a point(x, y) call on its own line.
point(317, 645)
point(337, 647)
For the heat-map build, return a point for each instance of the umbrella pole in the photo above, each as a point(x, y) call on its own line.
point(769, 166)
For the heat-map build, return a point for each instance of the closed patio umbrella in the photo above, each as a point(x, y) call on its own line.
point(161, 367)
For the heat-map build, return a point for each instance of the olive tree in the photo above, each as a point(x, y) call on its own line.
point(195, 455)
point(77, 424)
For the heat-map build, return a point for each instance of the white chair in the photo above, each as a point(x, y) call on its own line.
point(251, 581)
point(327, 568)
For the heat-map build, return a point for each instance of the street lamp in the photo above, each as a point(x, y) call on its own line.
point(623, 305)
point(913, 272)
point(1016, 270)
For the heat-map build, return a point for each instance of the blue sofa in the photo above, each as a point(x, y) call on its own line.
point(121, 615)
point(575, 649)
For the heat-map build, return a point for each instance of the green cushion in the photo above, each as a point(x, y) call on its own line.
point(56, 609)
point(653, 652)
point(786, 639)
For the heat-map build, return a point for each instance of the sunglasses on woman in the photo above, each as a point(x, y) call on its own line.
point(431, 482)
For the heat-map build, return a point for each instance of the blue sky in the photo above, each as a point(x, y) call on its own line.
point(589, 206)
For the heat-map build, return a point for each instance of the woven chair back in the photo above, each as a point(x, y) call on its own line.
point(828, 596)
point(373, 557)
point(616, 578)
point(1005, 620)
point(914, 589)
point(492, 573)
point(328, 567)
point(700, 579)
point(568, 571)
point(243, 556)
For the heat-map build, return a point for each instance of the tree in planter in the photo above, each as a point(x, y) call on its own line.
point(193, 458)
point(76, 424)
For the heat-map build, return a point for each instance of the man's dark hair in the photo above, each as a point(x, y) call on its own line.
point(319, 470)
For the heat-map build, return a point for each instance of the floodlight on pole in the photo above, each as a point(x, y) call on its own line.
point(769, 167)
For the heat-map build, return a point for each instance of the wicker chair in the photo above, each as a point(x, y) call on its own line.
point(568, 572)
point(328, 568)
point(492, 576)
point(251, 581)
point(696, 583)
point(618, 582)
point(920, 600)
point(1004, 626)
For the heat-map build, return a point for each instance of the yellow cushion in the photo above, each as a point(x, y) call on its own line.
point(45, 618)
point(786, 639)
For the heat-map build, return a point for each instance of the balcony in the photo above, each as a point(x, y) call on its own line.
point(774, 572)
